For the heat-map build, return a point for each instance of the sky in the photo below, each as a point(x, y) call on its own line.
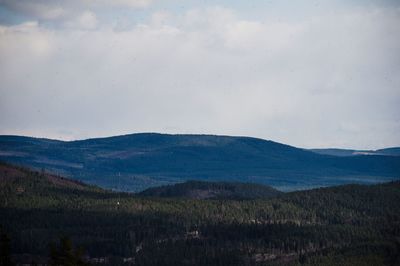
point(312, 74)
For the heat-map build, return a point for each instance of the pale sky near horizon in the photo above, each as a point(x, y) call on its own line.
point(310, 74)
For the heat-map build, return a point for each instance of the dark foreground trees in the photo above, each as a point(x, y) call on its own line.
point(331, 226)
point(64, 254)
point(5, 251)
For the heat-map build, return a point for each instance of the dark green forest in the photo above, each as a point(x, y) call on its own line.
point(212, 190)
point(50, 219)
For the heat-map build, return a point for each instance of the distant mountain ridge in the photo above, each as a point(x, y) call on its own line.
point(139, 161)
point(212, 190)
point(395, 151)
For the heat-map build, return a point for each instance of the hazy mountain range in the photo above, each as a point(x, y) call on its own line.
point(139, 161)
point(345, 152)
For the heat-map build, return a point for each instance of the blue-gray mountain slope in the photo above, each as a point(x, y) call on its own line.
point(138, 161)
point(395, 151)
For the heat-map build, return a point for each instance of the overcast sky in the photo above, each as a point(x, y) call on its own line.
point(306, 73)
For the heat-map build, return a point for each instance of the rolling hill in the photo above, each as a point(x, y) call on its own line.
point(212, 190)
point(139, 161)
point(26, 179)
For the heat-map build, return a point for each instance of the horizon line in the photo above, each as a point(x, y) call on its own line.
point(188, 134)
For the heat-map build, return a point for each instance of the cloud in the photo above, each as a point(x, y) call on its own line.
point(39, 7)
point(118, 3)
point(68, 12)
point(328, 80)
point(86, 20)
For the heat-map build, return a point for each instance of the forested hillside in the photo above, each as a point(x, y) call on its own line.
point(346, 225)
point(212, 190)
point(139, 161)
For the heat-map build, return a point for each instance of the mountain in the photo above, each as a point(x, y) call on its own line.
point(395, 151)
point(25, 179)
point(343, 225)
point(212, 190)
point(16, 182)
point(139, 161)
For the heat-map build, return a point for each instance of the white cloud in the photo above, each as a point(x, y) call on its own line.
point(118, 3)
point(327, 81)
point(86, 20)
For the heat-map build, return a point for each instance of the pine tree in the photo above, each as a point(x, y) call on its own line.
point(65, 255)
point(5, 250)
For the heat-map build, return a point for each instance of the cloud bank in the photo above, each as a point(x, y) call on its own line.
point(326, 80)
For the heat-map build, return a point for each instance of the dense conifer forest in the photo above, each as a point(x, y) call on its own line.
point(50, 219)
